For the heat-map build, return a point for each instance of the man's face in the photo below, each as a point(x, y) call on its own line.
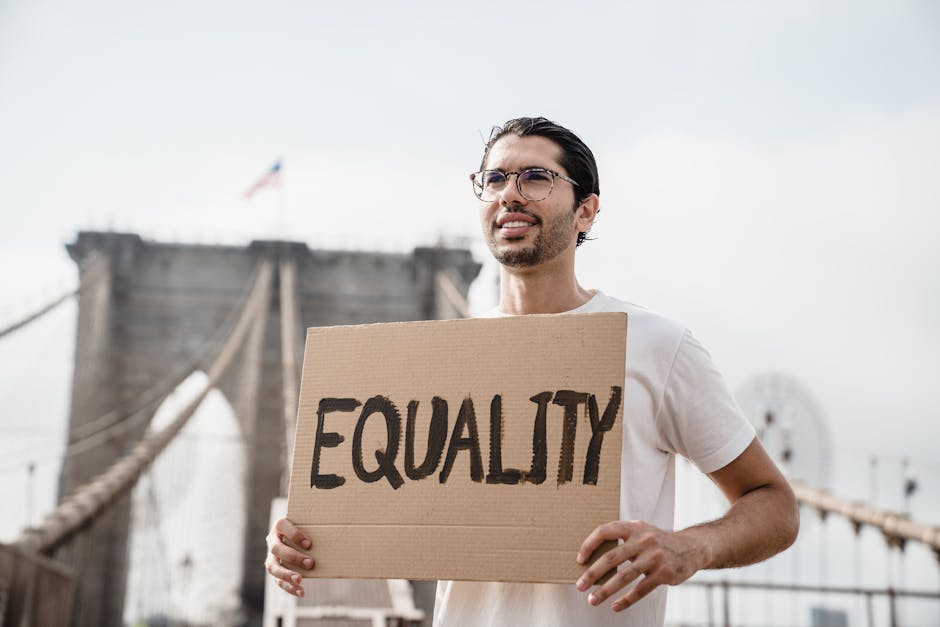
point(524, 233)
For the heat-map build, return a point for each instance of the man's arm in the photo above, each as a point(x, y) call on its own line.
point(763, 520)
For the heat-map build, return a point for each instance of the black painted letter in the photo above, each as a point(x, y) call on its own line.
point(536, 473)
point(437, 434)
point(465, 417)
point(570, 401)
point(386, 458)
point(509, 476)
point(328, 439)
point(599, 426)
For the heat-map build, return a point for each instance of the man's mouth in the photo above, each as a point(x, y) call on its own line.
point(514, 224)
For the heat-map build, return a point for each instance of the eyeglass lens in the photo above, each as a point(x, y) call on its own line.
point(533, 184)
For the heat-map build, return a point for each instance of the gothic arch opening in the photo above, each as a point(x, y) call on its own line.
point(187, 518)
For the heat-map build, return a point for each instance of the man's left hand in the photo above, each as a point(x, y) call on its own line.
point(660, 557)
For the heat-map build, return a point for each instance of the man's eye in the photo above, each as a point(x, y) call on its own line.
point(493, 178)
point(536, 176)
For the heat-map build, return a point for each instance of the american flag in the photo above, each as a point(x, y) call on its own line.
point(270, 178)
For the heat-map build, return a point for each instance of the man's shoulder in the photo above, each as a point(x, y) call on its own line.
point(640, 320)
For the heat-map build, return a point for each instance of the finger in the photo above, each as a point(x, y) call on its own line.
point(603, 533)
point(646, 585)
point(608, 532)
point(287, 529)
point(604, 564)
point(281, 572)
point(287, 555)
point(297, 591)
point(622, 579)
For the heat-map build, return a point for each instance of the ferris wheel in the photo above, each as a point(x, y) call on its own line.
point(790, 425)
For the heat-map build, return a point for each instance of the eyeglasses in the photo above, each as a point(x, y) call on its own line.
point(532, 183)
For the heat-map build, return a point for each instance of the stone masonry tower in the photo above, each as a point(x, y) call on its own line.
point(151, 315)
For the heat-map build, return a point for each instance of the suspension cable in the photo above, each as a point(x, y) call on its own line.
point(289, 389)
point(86, 281)
point(446, 284)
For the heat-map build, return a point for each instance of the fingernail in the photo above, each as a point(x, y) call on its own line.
point(296, 579)
point(305, 543)
point(592, 599)
point(580, 585)
point(308, 563)
point(300, 592)
point(580, 559)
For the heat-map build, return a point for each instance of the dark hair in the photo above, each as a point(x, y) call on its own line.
point(576, 158)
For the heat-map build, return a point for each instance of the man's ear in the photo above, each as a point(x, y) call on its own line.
point(586, 212)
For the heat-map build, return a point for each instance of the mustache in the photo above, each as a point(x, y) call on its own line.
point(517, 209)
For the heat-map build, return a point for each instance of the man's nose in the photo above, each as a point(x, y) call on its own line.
point(510, 194)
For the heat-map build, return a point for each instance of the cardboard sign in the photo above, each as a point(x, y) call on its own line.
point(483, 449)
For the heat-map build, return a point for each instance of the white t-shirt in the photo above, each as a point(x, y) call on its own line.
point(675, 403)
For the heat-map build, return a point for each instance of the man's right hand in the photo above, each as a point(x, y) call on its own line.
point(280, 555)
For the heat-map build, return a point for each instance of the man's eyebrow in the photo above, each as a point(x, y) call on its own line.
point(527, 167)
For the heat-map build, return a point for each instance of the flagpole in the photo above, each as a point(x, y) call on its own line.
point(277, 229)
point(281, 213)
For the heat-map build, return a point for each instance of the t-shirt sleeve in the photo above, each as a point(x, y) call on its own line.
point(699, 417)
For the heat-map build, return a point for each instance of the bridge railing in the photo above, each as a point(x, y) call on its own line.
point(34, 590)
point(897, 528)
point(725, 587)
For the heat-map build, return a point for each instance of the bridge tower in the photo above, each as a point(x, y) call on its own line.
point(151, 317)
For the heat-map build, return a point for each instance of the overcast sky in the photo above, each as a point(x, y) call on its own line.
point(768, 170)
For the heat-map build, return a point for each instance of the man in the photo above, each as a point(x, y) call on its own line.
point(539, 195)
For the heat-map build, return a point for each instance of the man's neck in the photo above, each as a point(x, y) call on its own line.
point(540, 290)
